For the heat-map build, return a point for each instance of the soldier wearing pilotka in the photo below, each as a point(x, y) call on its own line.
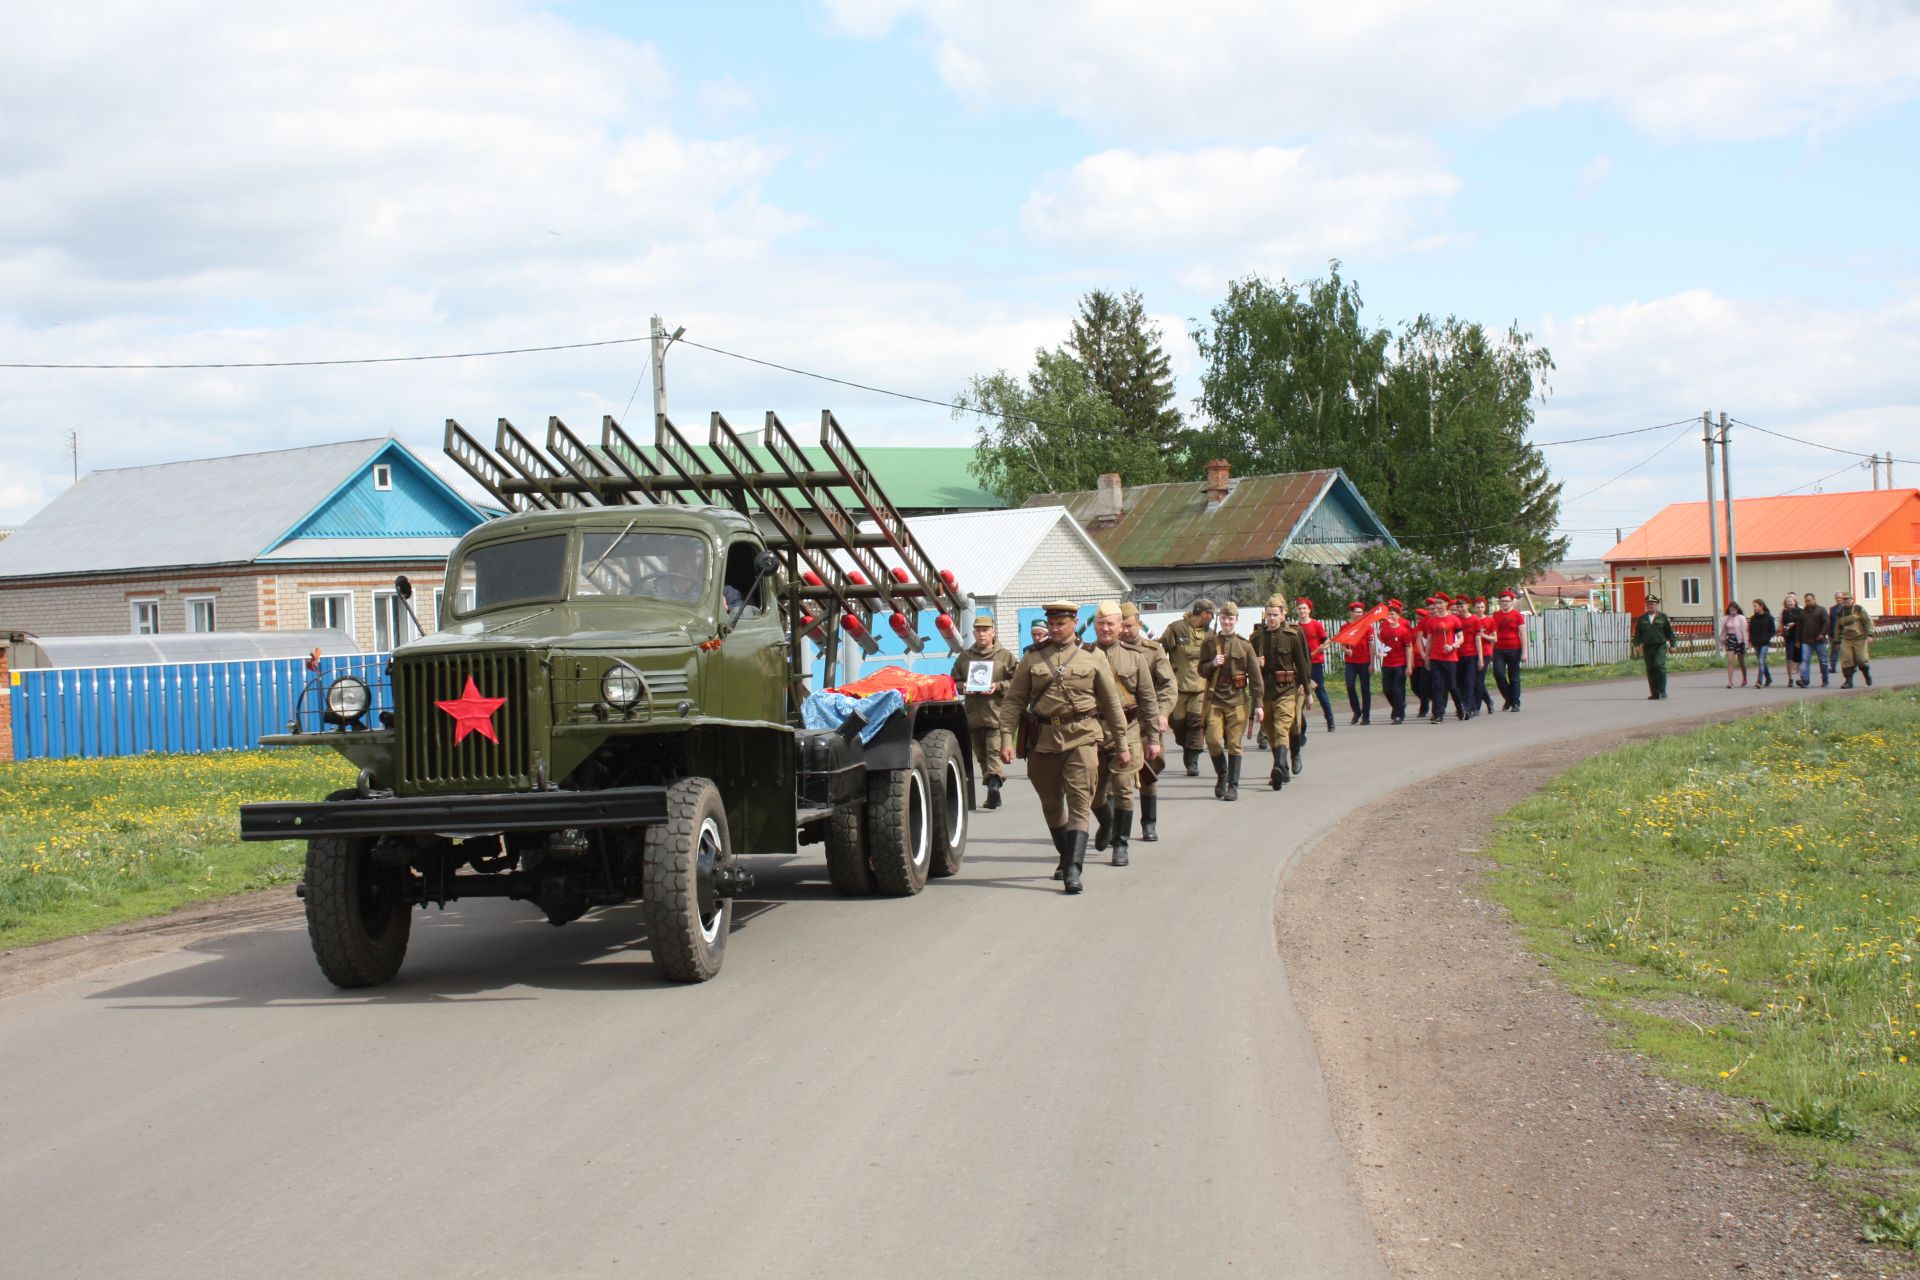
point(1188, 719)
point(1113, 797)
point(1286, 668)
point(1164, 692)
point(1075, 708)
point(983, 708)
point(1234, 687)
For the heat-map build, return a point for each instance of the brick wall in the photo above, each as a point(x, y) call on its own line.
point(1062, 566)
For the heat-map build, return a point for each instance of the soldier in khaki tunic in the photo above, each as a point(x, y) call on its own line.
point(1287, 669)
point(1113, 798)
point(1164, 692)
point(1077, 706)
point(1233, 686)
point(983, 709)
point(1188, 719)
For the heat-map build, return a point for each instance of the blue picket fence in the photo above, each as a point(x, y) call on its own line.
point(188, 707)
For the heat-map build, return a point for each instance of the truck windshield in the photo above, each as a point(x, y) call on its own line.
point(503, 573)
point(662, 566)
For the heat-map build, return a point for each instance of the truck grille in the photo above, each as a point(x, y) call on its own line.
point(429, 757)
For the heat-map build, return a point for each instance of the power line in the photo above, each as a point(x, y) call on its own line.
point(1615, 435)
point(1816, 444)
point(1851, 466)
point(308, 364)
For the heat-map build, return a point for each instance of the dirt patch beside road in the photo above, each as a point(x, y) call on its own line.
point(26, 968)
point(1493, 1132)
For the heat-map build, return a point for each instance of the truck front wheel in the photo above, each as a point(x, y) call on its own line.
point(947, 783)
point(687, 920)
point(900, 827)
point(359, 916)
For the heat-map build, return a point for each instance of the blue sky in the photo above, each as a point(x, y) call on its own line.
point(1693, 206)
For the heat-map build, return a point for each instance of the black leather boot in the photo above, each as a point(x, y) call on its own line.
point(993, 793)
point(1150, 816)
point(1219, 776)
point(1866, 673)
point(1061, 847)
point(1233, 778)
point(1192, 759)
point(1122, 835)
point(1103, 815)
point(1298, 743)
point(1076, 859)
point(1278, 778)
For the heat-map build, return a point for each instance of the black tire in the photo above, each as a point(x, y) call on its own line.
point(359, 917)
point(687, 924)
point(900, 827)
point(947, 789)
point(847, 865)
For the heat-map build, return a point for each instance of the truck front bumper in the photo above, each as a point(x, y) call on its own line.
point(469, 815)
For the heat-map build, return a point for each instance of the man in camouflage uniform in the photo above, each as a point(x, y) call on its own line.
point(1234, 686)
point(1164, 692)
point(1077, 709)
point(1286, 669)
point(983, 709)
point(1113, 799)
point(1188, 720)
point(1853, 633)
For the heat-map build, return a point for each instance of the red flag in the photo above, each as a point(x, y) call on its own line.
point(1352, 632)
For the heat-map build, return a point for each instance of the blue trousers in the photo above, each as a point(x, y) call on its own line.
point(1506, 674)
point(1360, 678)
point(1393, 683)
point(1320, 688)
point(1808, 653)
point(1443, 682)
point(1761, 674)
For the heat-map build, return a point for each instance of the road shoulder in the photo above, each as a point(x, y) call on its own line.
point(1491, 1129)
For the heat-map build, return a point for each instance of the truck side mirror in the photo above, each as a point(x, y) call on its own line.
point(404, 586)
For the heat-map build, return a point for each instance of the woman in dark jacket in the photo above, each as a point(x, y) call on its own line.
point(1790, 633)
point(1760, 635)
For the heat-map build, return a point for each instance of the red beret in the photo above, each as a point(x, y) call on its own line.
point(1421, 612)
point(1395, 605)
point(1441, 597)
point(1355, 604)
point(1507, 595)
point(1479, 599)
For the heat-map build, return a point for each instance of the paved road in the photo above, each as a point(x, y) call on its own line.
point(988, 1080)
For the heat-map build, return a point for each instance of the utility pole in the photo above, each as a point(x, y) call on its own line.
point(1726, 493)
point(73, 447)
point(1713, 519)
point(661, 340)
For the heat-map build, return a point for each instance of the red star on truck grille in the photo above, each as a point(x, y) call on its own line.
point(472, 713)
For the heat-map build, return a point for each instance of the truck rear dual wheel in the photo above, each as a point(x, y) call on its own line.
point(900, 827)
point(947, 789)
point(847, 865)
point(687, 922)
point(359, 916)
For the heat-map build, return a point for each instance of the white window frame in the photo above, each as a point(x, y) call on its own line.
point(213, 613)
point(346, 614)
point(387, 609)
point(1870, 584)
point(1689, 591)
point(135, 605)
point(383, 476)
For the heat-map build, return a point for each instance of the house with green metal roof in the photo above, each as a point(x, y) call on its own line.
point(1187, 539)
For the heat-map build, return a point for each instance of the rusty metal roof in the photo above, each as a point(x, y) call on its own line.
point(1793, 525)
point(1174, 525)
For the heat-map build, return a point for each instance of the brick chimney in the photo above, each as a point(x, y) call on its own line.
point(1110, 501)
point(1219, 482)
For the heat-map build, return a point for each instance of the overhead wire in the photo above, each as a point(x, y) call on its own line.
point(1817, 444)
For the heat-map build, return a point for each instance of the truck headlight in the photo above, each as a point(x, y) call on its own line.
point(621, 686)
point(347, 698)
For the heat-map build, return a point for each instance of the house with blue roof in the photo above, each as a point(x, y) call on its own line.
point(288, 539)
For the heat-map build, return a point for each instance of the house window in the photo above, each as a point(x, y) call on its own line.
point(331, 609)
point(1689, 591)
point(1870, 585)
point(146, 617)
point(200, 614)
point(391, 626)
point(383, 477)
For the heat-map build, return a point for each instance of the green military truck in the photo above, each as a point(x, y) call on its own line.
point(609, 710)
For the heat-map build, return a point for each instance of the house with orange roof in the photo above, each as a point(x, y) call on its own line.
point(1866, 542)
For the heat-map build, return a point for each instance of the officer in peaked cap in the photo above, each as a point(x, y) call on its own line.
point(1188, 719)
point(1073, 707)
point(1164, 692)
point(1652, 636)
point(983, 708)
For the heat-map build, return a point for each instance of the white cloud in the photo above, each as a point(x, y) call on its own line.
point(1235, 69)
point(1268, 207)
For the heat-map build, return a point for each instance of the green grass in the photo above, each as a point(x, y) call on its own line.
point(89, 843)
point(1744, 904)
point(1535, 677)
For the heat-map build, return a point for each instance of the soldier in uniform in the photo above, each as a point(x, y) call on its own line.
point(1036, 636)
point(1232, 673)
point(1164, 692)
point(1182, 640)
point(983, 709)
point(1285, 671)
point(1076, 707)
point(1113, 797)
point(1652, 633)
point(1853, 632)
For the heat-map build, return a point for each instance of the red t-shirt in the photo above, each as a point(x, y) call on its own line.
point(1480, 629)
point(1360, 652)
point(1316, 633)
point(1509, 625)
point(1443, 638)
point(1398, 638)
